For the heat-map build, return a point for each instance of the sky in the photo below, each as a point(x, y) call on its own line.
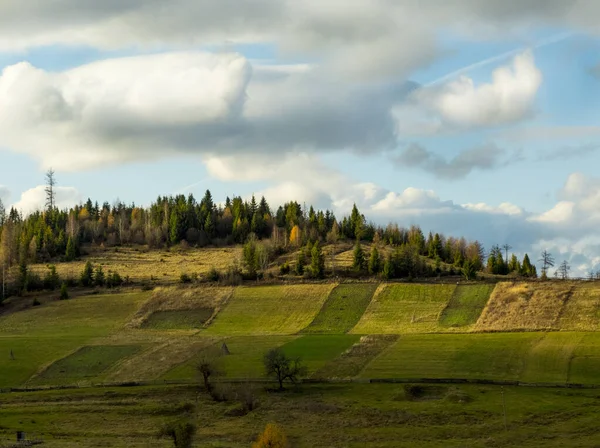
point(470, 118)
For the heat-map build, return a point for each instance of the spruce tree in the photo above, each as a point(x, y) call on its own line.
point(70, 252)
point(374, 261)
point(317, 265)
point(87, 275)
point(99, 278)
point(359, 258)
point(300, 261)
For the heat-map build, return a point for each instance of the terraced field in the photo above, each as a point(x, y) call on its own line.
point(85, 364)
point(178, 319)
point(465, 306)
point(316, 350)
point(582, 310)
point(266, 310)
point(481, 356)
point(405, 308)
point(343, 309)
point(245, 358)
point(525, 306)
point(39, 336)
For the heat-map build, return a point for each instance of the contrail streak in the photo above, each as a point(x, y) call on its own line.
point(543, 43)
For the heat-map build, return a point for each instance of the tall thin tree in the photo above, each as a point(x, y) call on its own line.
point(506, 248)
point(547, 261)
point(50, 193)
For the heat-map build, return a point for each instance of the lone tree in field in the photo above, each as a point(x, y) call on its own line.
point(563, 270)
point(547, 261)
point(206, 369)
point(283, 368)
point(50, 193)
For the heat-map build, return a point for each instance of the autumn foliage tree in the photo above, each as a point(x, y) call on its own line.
point(272, 437)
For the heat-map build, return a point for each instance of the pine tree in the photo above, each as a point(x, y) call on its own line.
point(374, 261)
point(317, 265)
point(358, 263)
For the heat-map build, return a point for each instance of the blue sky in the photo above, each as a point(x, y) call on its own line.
point(309, 102)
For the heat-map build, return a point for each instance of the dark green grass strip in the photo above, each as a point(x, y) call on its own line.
point(343, 309)
point(466, 305)
point(351, 362)
point(86, 363)
point(316, 350)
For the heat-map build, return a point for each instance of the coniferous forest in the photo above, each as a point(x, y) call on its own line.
point(54, 235)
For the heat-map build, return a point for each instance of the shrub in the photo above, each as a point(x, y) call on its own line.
point(64, 294)
point(213, 275)
point(113, 279)
point(51, 280)
point(272, 437)
point(284, 269)
point(36, 302)
point(181, 432)
point(185, 278)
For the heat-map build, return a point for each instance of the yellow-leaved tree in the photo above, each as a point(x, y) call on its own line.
point(272, 437)
point(295, 235)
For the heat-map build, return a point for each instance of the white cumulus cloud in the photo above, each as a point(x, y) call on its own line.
point(34, 199)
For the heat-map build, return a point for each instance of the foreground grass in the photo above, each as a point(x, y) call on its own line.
point(263, 310)
point(405, 308)
point(343, 309)
point(345, 415)
point(466, 305)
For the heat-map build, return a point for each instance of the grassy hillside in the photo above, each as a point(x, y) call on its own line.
point(265, 310)
point(405, 308)
point(41, 335)
point(140, 264)
point(343, 309)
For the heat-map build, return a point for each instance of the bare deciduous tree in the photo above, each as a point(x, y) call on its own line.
point(563, 270)
point(547, 261)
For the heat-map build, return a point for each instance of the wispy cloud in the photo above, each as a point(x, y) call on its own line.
point(569, 152)
point(500, 57)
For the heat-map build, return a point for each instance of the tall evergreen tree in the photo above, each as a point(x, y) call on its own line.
point(70, 253)
point(317, 265)
point(358, 263)
point(374, 261)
